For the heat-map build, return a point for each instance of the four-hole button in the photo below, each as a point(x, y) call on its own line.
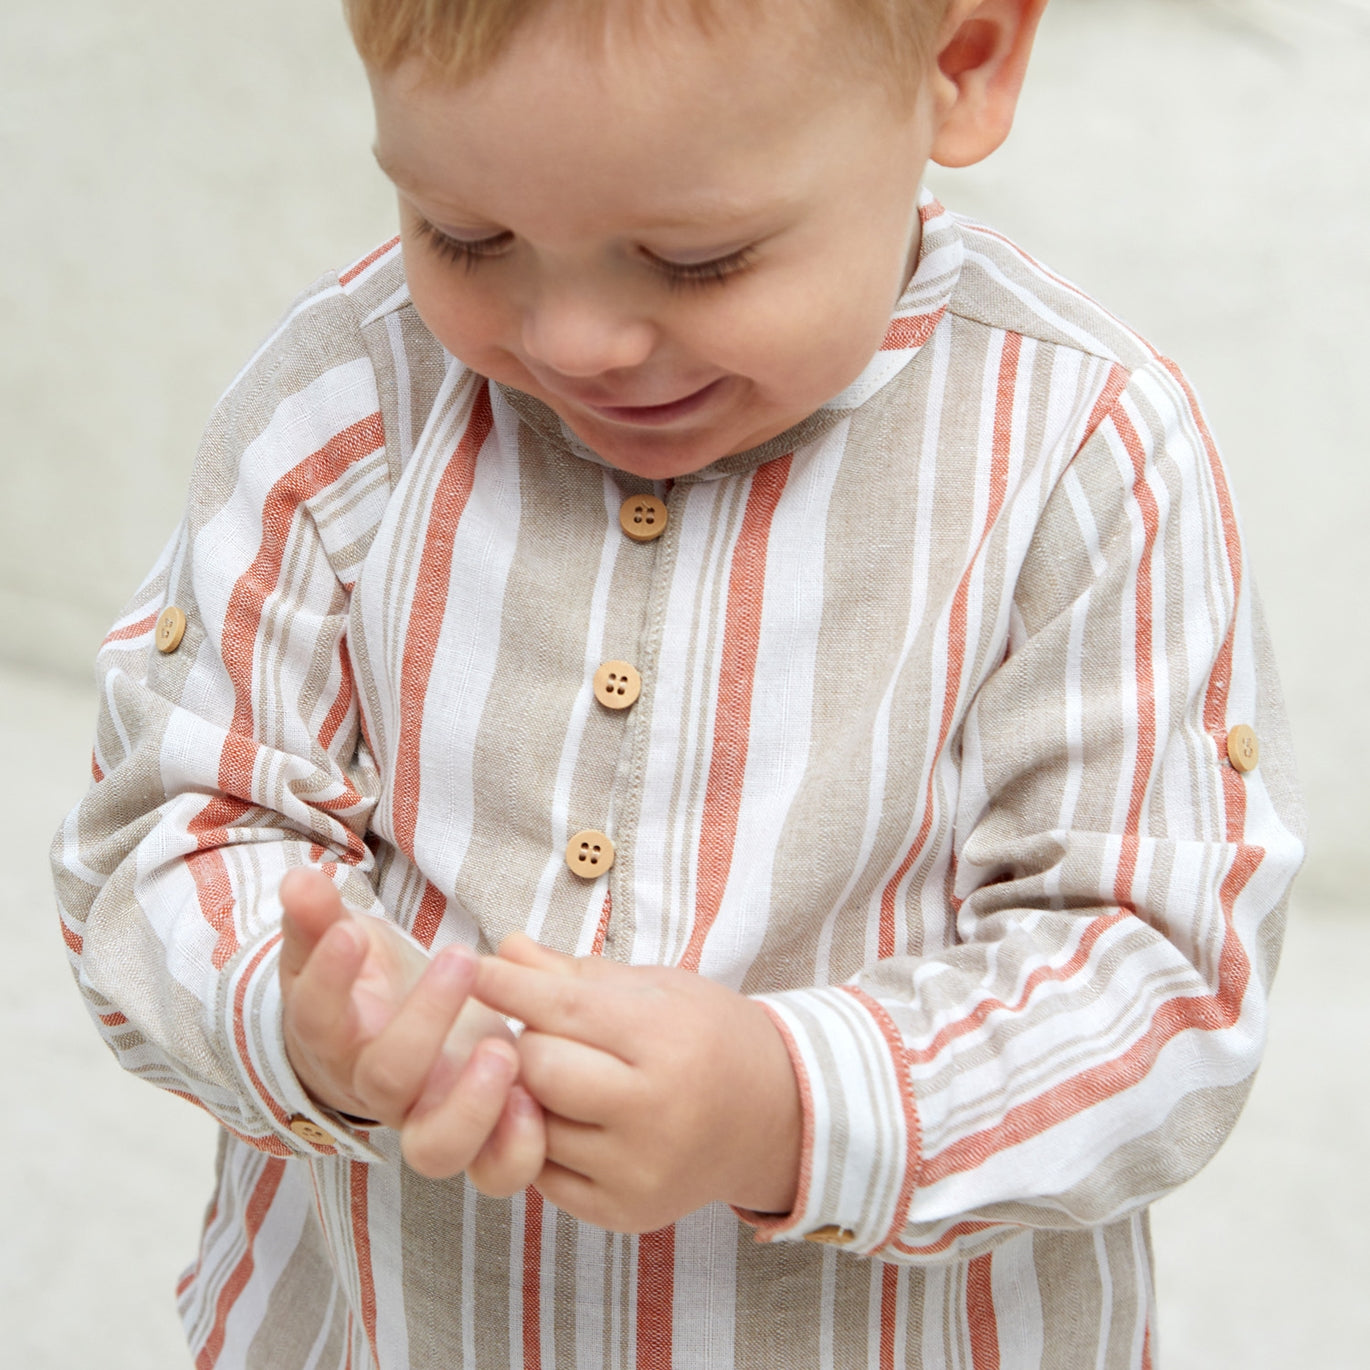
point(643, 517)
point(617, 685)
point(589, 854)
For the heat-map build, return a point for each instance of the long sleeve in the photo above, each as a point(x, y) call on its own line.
point(236, 755)
point(1089, 1038)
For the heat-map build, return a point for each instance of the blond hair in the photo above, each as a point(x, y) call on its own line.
point(461, 38)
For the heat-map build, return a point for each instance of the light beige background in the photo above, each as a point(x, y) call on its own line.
point(173, 174)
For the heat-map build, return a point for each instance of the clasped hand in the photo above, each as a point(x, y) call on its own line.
point(633, 1096)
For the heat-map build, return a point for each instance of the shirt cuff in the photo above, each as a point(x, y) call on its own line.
point(861, 1139)
point(254, 1029)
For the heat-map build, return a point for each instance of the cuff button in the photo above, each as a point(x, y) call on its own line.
point(1243, 749)
point(171, 628)
point(831, 1236)
point(309, 1131)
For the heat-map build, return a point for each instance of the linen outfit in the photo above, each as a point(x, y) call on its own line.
point(930, 755)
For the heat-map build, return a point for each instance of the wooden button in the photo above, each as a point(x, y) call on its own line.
point(308, 1130)
point(171, 628)
point(1243, 749)
point(831, 1236)
point(617, 685)
point(589, 854)
point(643, 518)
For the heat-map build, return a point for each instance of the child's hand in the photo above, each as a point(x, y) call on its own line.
point(664, 1091)
point(373, 1031)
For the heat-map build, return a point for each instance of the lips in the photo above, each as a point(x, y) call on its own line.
point(652, 414)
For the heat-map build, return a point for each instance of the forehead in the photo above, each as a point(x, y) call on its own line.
point(689, 122)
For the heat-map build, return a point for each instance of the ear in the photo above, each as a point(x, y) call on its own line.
point(982, 56)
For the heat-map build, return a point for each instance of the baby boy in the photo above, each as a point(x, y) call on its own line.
point(791, 654)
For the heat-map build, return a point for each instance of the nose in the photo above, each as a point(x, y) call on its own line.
point(584, 332)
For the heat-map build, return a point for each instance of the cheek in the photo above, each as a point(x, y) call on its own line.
point(805, 345)
point(471, 323)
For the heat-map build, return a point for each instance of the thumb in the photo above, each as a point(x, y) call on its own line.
point(312, 905)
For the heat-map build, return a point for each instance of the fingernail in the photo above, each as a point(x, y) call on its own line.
point(452, 963)
point(494, 1065)
point(345, 935)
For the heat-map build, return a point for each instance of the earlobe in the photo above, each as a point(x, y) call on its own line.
point(981, 64)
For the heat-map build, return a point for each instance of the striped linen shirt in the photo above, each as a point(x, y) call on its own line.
point(931, 755)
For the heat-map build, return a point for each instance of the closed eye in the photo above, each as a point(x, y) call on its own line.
point(466, 251)
point(712, 272)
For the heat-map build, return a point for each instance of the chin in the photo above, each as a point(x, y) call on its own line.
point(653, 456)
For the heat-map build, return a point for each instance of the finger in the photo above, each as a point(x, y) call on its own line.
point(312, 905)
point(318, 1004)
point(447, 1128)
point(519, 948)
point(583, 1198)
point(572, 1079)
point(513, 1156)
point(552, 1002)
point(575, 1194)
point(391, 1069)
point(581, 1147)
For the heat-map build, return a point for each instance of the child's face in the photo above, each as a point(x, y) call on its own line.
point(681, 244)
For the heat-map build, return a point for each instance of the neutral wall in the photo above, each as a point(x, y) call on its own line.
point(175, 173)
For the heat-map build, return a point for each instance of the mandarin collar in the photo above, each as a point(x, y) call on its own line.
point(914, 320)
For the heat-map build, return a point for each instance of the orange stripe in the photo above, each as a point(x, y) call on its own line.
point(144, 625)
point(75, 944)
point(733, 708)
point(214, 891)
point(984, 1328)
point(341, 705)
point(426, 614)
point(361, 1243)
point(655, 1298)
point(429, 918)
point(602, 931)
point(96, 774)
point(889, 1309)
point(912, 330)
point(352, 272)
point(1104, 405)
point(956, 626)
point(257, 1208)
point(532, 1280)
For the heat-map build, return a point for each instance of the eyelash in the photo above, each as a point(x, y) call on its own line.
point(676, 274)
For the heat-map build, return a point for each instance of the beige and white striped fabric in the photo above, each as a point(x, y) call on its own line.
point(931, 754)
